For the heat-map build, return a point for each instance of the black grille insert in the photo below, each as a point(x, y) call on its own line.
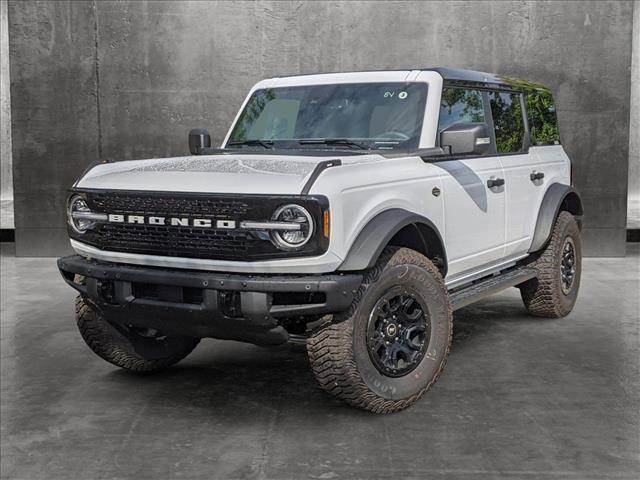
point(190, 205)
point(176, 241)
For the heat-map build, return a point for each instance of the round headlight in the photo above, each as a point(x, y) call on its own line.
point(292, 239)
point(77, 204)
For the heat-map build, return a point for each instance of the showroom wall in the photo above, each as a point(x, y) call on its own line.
point(127, 79)
point(633, 205)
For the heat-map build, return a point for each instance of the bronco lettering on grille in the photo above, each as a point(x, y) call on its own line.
point(173, 221)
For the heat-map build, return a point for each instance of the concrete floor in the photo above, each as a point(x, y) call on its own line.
point(520, 398)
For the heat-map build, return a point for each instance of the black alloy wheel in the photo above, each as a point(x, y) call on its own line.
point(398, 332)
point(568, 265)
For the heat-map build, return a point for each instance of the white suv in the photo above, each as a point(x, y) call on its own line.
point(350, 211)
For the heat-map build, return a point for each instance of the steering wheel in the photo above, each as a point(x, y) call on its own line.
point(393, 135)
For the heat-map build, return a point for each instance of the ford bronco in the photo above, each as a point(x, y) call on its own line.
point(350, 211)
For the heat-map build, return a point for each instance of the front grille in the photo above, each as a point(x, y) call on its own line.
point(189, 241)
point(113, 202)
point(177, 241)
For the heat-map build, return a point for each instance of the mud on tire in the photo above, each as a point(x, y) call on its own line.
point(346, 365)
point(553, 293)
point(128, 349)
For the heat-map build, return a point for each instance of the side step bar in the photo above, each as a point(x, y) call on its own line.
point(488, 286)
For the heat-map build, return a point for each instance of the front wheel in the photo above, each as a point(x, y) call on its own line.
point(553, 292)
point(394, 343)
point(139, 350)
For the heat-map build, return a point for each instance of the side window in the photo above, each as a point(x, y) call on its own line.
point(460, 105)
point(541, 113)
point(507, 121)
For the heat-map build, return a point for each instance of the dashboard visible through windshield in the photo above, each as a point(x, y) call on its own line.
point(359, 116)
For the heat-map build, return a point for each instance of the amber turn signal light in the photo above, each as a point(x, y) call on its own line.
point(325, 224)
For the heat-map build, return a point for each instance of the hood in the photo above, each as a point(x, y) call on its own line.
point(228, 173)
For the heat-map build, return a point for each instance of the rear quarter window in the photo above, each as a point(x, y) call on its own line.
point(541, 113)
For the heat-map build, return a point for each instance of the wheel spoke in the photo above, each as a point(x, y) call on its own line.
point(415, 315)
point(417, 327)
point(388, 358)
point(407, 302)
point(394, 305)
point(410, 353)
point(378, 342)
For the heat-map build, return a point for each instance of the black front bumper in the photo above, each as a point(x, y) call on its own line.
point(243, 307)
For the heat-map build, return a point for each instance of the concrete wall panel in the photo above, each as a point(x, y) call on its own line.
point(54, 117)
point(633, 213)
point(161, 68)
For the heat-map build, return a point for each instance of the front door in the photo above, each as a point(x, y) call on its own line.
point(474, 213)
point(474, 210)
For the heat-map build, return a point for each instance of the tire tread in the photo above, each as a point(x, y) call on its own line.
point(542, 295)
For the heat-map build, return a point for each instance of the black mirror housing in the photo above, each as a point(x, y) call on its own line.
point(199, 139)
point(466, 138)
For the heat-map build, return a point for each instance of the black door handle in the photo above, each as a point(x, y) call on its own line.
point(536, 176)
point(495, 182)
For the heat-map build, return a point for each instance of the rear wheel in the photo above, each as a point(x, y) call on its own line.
point(139, 350)
point(394, 343)
point(554, 291)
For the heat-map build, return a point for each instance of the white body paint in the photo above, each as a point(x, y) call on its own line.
point(482, 228)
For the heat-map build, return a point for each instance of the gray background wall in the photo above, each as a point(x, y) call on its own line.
point(128, 79)
point(633, 209)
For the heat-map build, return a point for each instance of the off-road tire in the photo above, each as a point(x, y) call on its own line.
point(544, 296)
point(339, 357)
point(128, 350)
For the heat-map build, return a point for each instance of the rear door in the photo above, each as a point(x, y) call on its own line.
point(474, 213)
point(527, 171)
point(512, 144)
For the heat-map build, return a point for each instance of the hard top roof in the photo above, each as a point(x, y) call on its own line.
point(474, 76)
point(456, 76)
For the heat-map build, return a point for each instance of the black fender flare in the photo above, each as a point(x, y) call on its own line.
point(556, 196)
point(376, 234)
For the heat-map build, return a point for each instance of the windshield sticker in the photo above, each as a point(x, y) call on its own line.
point(401, 95)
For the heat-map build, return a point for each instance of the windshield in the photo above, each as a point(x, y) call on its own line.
point(354, 116)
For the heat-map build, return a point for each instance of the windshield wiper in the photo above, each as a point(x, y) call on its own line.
point(253, 143)
point(333, 141)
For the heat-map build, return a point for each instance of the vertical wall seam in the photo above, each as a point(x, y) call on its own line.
point(97, 70)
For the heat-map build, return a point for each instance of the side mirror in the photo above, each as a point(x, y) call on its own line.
point(466, 138)
point(199, 138)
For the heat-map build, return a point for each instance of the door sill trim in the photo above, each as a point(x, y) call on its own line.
point(483, 271)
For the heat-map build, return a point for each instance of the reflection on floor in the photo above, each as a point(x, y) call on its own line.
point(6, 214)
point(633, 213)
